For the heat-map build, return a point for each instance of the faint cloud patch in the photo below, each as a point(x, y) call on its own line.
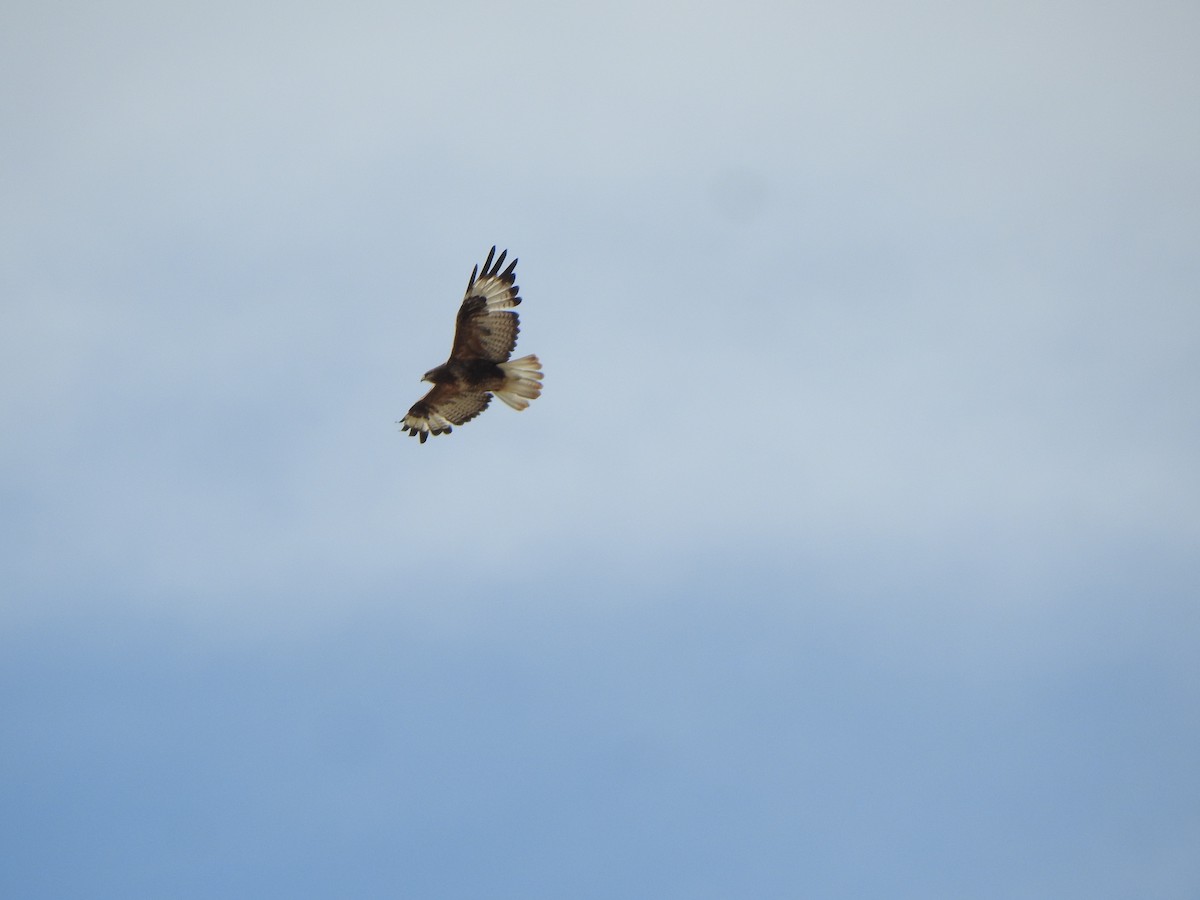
point(738, 194)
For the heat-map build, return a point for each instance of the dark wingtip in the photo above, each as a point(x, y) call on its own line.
point(488, 262)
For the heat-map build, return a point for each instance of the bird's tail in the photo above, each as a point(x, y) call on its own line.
point(522, 381)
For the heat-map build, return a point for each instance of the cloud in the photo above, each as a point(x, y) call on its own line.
point(857, 519)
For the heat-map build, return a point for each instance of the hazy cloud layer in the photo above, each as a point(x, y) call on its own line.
point(858, 520)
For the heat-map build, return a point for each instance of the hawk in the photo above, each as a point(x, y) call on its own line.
point(479, 366)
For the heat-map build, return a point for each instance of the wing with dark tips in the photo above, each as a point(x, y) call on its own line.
point(487, 324)
point(442, 407)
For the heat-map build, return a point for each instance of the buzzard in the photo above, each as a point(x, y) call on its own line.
point(479, 366)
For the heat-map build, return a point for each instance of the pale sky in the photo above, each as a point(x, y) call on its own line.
point(851, 550)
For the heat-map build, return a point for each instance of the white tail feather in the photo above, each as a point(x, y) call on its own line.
point(522, 381)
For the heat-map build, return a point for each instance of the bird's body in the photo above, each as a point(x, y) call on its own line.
point(464, 372)
point(479, 364)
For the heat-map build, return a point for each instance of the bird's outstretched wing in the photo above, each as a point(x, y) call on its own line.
point(487, 324)
point(442, 407)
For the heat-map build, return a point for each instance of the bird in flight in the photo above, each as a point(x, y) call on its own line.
point(479, 365)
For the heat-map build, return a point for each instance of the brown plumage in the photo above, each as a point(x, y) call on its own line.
point(479, 365)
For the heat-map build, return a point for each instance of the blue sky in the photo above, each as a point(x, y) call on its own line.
point(853, 548)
